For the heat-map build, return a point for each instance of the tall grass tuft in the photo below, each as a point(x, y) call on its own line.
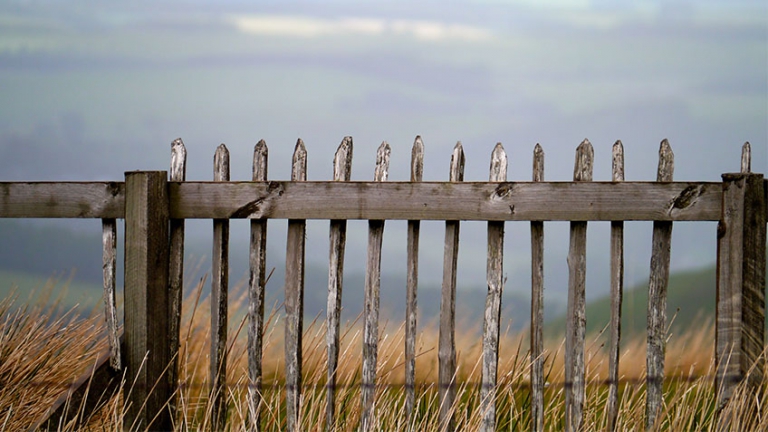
point(43, 348)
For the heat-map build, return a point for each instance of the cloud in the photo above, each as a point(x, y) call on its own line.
point(312, 27)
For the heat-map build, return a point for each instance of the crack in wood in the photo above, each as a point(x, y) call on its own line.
point(687, 197)
point(504, 190)
point(261, 207)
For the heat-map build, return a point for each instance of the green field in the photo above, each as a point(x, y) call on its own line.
point(691, 298)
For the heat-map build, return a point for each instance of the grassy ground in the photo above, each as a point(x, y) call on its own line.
point(42, 348)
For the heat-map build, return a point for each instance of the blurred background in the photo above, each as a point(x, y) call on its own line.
point(90, 90)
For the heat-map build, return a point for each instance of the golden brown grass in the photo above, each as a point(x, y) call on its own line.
point(43, 348)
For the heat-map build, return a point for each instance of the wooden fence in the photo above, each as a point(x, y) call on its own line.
point(155, 208)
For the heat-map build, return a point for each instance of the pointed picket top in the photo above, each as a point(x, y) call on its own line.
point(666, 162)
point(498, 172)
point(342, 160)
point(178, 160)
point(382, 162)
point(538, 163)
point(457, 163)
point(618, 161)
point(417, 159)
point(260, 153)
point(299, 166)
point(585, 155)
point(746, 158)
point(221, 164)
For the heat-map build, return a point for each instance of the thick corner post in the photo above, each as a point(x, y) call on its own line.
point(740, 285)
point(147, 324)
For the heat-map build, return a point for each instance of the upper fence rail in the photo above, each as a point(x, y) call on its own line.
point(480, 201)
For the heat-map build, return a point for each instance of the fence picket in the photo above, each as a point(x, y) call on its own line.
point(495, 280)
point(371, 308)
point(576, 319)
point(109, 257)
point(657, 297)
point(294, 299)
point(342, 170)
point(412, 284)
point(178, 173)
point(256, 284)
point(219, 299)
point(746, 158)
point(446, 351)
point(537, 306)
point(617, 292)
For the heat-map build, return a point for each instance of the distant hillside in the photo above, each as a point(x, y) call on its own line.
point(35, 248)
point(690, 300)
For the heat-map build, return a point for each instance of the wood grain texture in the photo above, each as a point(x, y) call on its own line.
point(109, 267)
point(342, 170)
point(483, 201)
point(657, 297)
point(537, 306)
point(576, 314)
point(371, 307)
point(492, 316)
point(617, 292)
point(146, 302)
point(446, 351)
point(99, 200)
point(412, 283)
point(219, 301)
point(741, 263)
point(257, 281)
point(294, 299)
point(178, 173)
point(523, 201)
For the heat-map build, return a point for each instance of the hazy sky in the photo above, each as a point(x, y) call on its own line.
point(89, 91)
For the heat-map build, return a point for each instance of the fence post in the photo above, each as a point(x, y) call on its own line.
point(147, 324)
point(740, 285)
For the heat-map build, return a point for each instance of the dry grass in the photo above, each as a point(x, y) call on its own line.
point(43, 348)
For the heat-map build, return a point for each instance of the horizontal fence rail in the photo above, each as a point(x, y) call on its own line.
point(478, 201)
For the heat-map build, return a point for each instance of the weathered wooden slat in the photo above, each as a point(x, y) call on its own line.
point(446, 350)
point(741, 266)
point(746, 158)
point(550, 201)
point(371, 308)
point(537, 306)
point(294, 299)
point(147, 324)
point(100, 200)
point(657, 297)
point(109, 267)
point(492, 321)
point(576, 315)
point(219, 301)
point(617, 292)
point(178, 173)
point(412, 283)
point(256, 284)
point(342, 170)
